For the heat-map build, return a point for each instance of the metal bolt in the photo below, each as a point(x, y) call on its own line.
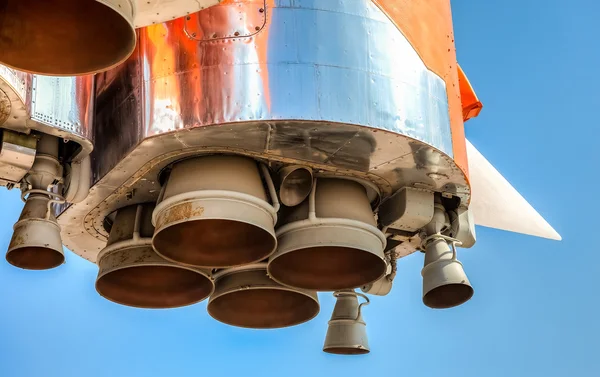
point(130, 194)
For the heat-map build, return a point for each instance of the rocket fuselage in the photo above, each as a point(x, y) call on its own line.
point(365, 90)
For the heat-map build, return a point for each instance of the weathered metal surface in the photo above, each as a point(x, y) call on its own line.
point(17, 153)
point(132, 273)
point(13, 87)
point(5, 106)
point(330, 85)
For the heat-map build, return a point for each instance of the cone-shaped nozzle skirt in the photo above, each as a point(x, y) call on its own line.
point(336, 246)
point(131, 273)
point(445, 283)
point(36, 242)
point(347, 332)
point(214, 213)
point(247, 297)
point(65, 37)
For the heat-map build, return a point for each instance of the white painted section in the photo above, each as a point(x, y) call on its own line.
point(150, 12)
point(497, 204)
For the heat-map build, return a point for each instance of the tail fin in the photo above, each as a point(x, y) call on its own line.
point(497, 204)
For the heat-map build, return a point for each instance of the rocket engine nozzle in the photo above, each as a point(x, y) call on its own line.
point(36, 243)
point(131, 273)
point(66, 37)
point(330, 241)
point(247, 297)
point(214, 213)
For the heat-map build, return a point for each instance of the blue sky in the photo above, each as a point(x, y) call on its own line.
point(534, 65)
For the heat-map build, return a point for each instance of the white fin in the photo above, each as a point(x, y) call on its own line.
point(496, 204)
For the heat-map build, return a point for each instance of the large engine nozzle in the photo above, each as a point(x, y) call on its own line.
point(66, 37)
point(347, 332)
point(247, 297)
point(131, 273)
point(214, 213)
point(330, 242)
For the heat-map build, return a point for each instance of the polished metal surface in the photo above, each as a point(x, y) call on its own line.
point(59, 106)
point(66, 104)
point(332, 85)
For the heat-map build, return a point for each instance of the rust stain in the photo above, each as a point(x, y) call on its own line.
point(179, 212)
point(5, 106)
point(17, 240)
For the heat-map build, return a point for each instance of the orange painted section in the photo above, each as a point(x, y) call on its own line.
point(471, 106)
point(427, 24)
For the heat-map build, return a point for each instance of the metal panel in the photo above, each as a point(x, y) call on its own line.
point(63, 103)
point(59, 106)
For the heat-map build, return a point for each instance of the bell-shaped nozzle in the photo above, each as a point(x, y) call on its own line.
point(66, 37)
point(247, 297)
point(131, 273)
point(445, 283)
point(36, 242)
point(347, 332)
point(214, 213)
point(330, 241)
point(295, 184)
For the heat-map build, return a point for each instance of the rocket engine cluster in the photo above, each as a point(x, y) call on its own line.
point(251, 153)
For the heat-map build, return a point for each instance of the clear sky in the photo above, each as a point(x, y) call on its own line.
point(535, 311)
